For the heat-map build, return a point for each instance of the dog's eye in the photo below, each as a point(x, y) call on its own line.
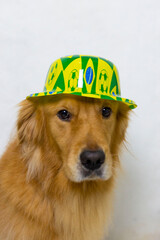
point(64, 115)
point(106, 112)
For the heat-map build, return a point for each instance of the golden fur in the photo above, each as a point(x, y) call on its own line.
point(42, 194)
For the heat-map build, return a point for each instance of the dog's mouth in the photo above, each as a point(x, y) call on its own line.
point(79, 173)
point(88, 174)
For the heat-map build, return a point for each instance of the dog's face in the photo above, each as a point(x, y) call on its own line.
point(83, 129)
point(86, 133)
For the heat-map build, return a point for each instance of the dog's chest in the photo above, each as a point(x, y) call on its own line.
point(83, 219)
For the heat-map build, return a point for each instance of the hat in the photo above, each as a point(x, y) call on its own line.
point(86, 76)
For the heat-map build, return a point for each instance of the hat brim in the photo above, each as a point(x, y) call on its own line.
point(128, 102)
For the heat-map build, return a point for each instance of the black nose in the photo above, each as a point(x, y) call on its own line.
point(92, 159)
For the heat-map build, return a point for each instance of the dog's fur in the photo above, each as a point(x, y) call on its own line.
point(43, 195)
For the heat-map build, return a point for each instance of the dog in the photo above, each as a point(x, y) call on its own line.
point(57, 174)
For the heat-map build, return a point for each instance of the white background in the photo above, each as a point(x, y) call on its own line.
point(34, 33)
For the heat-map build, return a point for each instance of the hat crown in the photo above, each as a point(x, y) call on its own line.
point(89, 74)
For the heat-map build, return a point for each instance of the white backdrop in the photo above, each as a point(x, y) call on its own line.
point(35, 33)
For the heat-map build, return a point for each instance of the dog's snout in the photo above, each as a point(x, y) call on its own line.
point(92, 160)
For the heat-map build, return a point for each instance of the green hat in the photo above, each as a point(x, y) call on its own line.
point(85, 76)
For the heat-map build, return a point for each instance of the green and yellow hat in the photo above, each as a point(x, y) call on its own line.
point(85, 76)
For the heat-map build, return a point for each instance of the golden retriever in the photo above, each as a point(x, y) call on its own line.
point(57, 174)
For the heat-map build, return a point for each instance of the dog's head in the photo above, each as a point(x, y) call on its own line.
point(77, 136)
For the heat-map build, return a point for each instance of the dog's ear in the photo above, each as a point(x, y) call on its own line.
point(122, 120)
point(30, 122)
point(30, 130)
point(120, 127)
